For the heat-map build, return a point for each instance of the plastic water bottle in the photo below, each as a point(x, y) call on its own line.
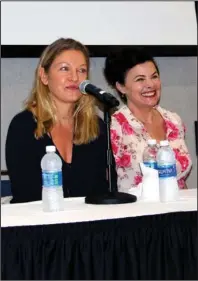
point(149, 154)
point(166, 165)
point(52, 192)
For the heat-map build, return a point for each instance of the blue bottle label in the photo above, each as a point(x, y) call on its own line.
point(52, 179)
point(151, 164)
point(167, 171)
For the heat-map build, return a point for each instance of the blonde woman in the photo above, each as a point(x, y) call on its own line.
point(56, 113)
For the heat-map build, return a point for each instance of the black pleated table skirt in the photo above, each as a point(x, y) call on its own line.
point(162, 247)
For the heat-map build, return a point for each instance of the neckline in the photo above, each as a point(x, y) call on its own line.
point(57, 151)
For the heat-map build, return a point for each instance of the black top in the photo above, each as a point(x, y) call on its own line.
point(86, 174)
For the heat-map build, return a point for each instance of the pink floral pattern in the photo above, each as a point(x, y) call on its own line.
point(182, 159)
point(124, 160)
point(129, 139)
point(172, 129)
point(137, 179)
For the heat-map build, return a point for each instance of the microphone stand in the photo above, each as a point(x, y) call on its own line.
point(112, 196)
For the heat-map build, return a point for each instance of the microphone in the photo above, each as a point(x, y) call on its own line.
point(112, 196)
point(87, 88)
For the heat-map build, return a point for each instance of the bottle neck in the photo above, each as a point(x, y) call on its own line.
point(152, 145)
point(164, 146)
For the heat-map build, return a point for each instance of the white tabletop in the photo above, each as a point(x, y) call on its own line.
point(77, 211)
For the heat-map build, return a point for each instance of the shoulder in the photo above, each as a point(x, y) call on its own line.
point(121, 115)
point(122, 111)
point(24, 117)
point(119, 118)
point(172, 116)
point(22, 122)
point(173, 120)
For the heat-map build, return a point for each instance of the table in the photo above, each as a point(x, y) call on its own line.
point(142, 241)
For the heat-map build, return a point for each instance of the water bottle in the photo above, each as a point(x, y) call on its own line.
point(166, 165)
point(149, 154)
point(52, 192)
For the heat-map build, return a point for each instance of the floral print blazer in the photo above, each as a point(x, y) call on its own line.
point(129, 138)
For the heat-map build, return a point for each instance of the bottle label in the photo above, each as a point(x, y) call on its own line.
point(167, 171)
point(52, 179)
point(151, 164)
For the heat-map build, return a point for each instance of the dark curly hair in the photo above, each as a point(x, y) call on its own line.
point(118, 63)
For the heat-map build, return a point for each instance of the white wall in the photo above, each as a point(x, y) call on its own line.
point(99, 22)
point(178, 74)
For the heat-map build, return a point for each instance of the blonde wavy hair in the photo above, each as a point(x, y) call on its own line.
point(86, 126)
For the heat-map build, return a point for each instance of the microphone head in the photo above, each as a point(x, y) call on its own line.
point(82, 86)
